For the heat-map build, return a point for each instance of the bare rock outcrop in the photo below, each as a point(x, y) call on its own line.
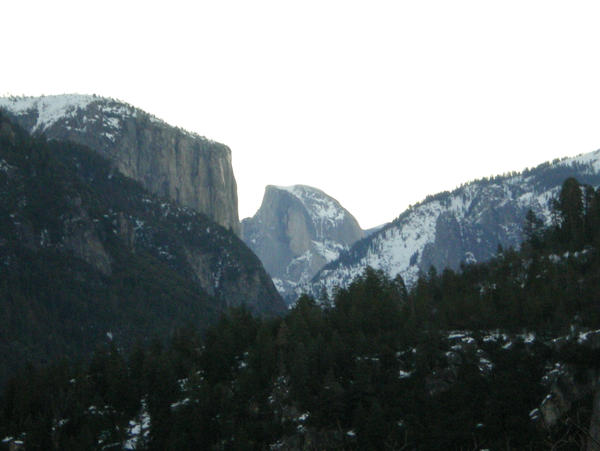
point(296, 231)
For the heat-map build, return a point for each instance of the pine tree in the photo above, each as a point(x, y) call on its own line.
point(570, 208)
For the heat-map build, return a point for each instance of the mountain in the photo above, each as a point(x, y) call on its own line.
point(465, 225)
point(296, 231)
point(171, 162)
point(87, 254)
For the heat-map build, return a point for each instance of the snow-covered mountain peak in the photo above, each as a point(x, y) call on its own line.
point(296, 231)
point(319, 205)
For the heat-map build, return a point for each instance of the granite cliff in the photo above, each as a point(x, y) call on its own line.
point(193, 171)
point(296, 231)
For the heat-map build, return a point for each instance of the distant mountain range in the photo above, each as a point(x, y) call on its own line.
point(309, 243)
point(465, 225)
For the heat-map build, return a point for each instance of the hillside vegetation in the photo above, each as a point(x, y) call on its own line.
point(499, 355)
point(88, 255)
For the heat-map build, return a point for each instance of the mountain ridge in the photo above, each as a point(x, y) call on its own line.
point(464, 225)
point(169, 161)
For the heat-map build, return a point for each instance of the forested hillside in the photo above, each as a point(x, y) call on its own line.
point(88, 255)
point(497, 355)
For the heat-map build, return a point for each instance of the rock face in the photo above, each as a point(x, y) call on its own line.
point(465, 225)
point(170, 162)
point(86, 251)
point(296, 231)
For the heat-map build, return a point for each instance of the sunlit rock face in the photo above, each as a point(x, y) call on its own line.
point(170, 162)
point(296, 231)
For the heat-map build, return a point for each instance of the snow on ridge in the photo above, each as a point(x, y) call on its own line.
point(52, 108)
point(328, 249)
point(393, 249)
point(319, 205)
point(591, 158)
point(398, 249)
point(49, 108)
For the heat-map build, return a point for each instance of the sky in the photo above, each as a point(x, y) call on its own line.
point(377, 103)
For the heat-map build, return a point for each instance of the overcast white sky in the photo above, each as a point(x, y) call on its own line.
point(378, 103)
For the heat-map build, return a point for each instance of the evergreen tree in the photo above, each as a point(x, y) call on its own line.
point(571, 213)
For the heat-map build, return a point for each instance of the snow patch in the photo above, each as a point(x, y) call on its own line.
point(138, 431)
point(320, 207)
point(49, 108)
point(404, 374)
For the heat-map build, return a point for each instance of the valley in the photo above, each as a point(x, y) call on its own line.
point(138, 312)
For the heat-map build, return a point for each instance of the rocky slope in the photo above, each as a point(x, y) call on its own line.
point(465, 225)
point(296, 231)
point(187, 168)
point(87, 253)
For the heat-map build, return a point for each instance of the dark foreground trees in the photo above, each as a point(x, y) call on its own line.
point(448, 364)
